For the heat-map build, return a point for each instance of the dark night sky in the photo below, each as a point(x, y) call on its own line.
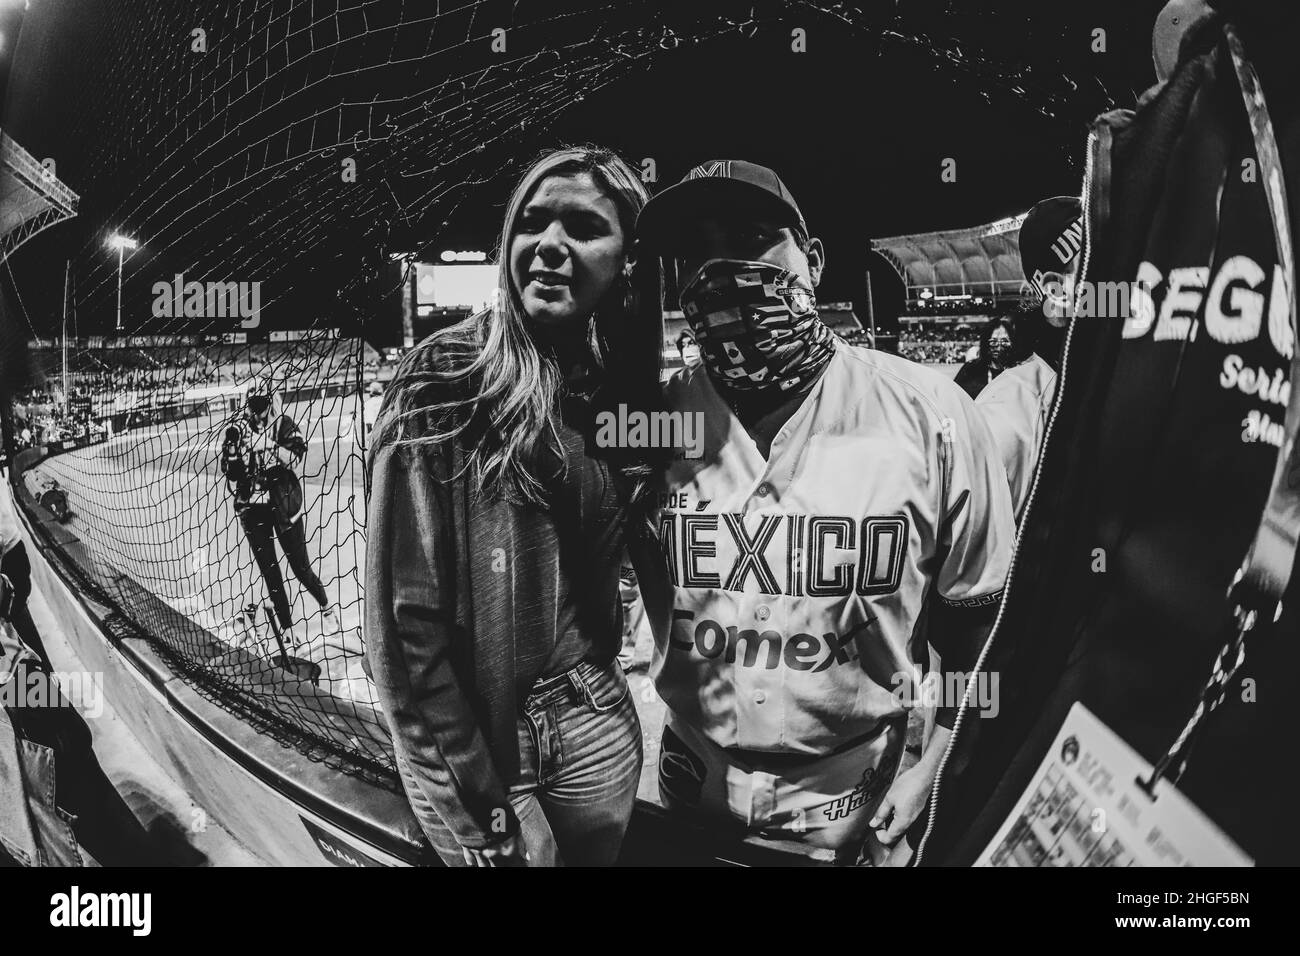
point(153, 138)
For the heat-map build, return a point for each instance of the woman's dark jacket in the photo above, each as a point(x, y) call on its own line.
point(460, 617)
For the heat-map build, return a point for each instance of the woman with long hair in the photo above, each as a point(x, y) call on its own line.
point(998, 351)
point(496, 524)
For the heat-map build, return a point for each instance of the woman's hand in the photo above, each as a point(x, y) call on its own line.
point(510, 852)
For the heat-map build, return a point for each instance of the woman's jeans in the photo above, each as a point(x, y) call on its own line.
point(580, 763)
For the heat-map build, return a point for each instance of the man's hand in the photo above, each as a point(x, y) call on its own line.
point(902, 804)
point(906, 798)
point(510, 852)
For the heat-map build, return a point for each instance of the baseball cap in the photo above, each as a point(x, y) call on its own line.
point(1171, 26)
point(720, 185)
point(1051, 237)
point(259, 395)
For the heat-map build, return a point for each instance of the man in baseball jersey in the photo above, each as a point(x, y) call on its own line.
point(849, 506)
point(1017, 403)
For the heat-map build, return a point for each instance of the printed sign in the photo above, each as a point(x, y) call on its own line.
point(336, 850)
point(1085, 807)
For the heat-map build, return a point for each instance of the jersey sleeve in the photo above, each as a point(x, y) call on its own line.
point(1016, 414)
point(977, 522)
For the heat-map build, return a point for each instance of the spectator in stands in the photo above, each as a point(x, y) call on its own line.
point(495, 528)
point(257, 456)
point(938, 345)
point(998, 352)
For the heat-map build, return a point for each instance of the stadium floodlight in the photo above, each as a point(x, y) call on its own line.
point(121, 243)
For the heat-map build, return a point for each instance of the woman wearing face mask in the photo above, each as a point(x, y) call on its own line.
point(496, 525)
point(997, 354)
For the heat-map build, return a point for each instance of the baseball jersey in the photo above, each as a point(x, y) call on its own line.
point(797, 581)
point(1016, 405)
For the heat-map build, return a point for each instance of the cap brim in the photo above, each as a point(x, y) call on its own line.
point(671, 214)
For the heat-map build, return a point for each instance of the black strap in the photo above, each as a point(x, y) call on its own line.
point(1265, 573)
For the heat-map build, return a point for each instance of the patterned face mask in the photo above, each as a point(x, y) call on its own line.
point(756, 325)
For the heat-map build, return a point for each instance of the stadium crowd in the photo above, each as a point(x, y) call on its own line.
point(938, 344)
point(40, 417)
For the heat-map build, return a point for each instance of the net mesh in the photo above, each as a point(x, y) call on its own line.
point(305, 146)
point(291, 145)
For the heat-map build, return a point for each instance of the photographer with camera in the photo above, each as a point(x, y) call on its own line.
point(257, 459)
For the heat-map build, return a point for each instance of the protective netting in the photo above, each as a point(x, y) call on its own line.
point(149, 519)
point(283, 145)
point(305, 146)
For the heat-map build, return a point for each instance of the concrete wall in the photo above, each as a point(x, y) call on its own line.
point(280, 807)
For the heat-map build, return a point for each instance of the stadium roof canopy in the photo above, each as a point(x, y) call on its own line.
point(979, 262)
point(31, 197)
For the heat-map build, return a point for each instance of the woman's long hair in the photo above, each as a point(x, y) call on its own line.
point(487, 383)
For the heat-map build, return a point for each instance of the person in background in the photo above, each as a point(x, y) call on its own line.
point(687, 349)
point(1016, 404)
point(257, 458)
point(1154, 577)
point(997, 352)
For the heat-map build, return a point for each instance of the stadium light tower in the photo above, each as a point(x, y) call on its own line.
point(121, 243)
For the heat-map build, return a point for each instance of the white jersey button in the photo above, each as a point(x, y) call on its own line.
point(764, 490)
point(759, 697)
point(763, 612)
